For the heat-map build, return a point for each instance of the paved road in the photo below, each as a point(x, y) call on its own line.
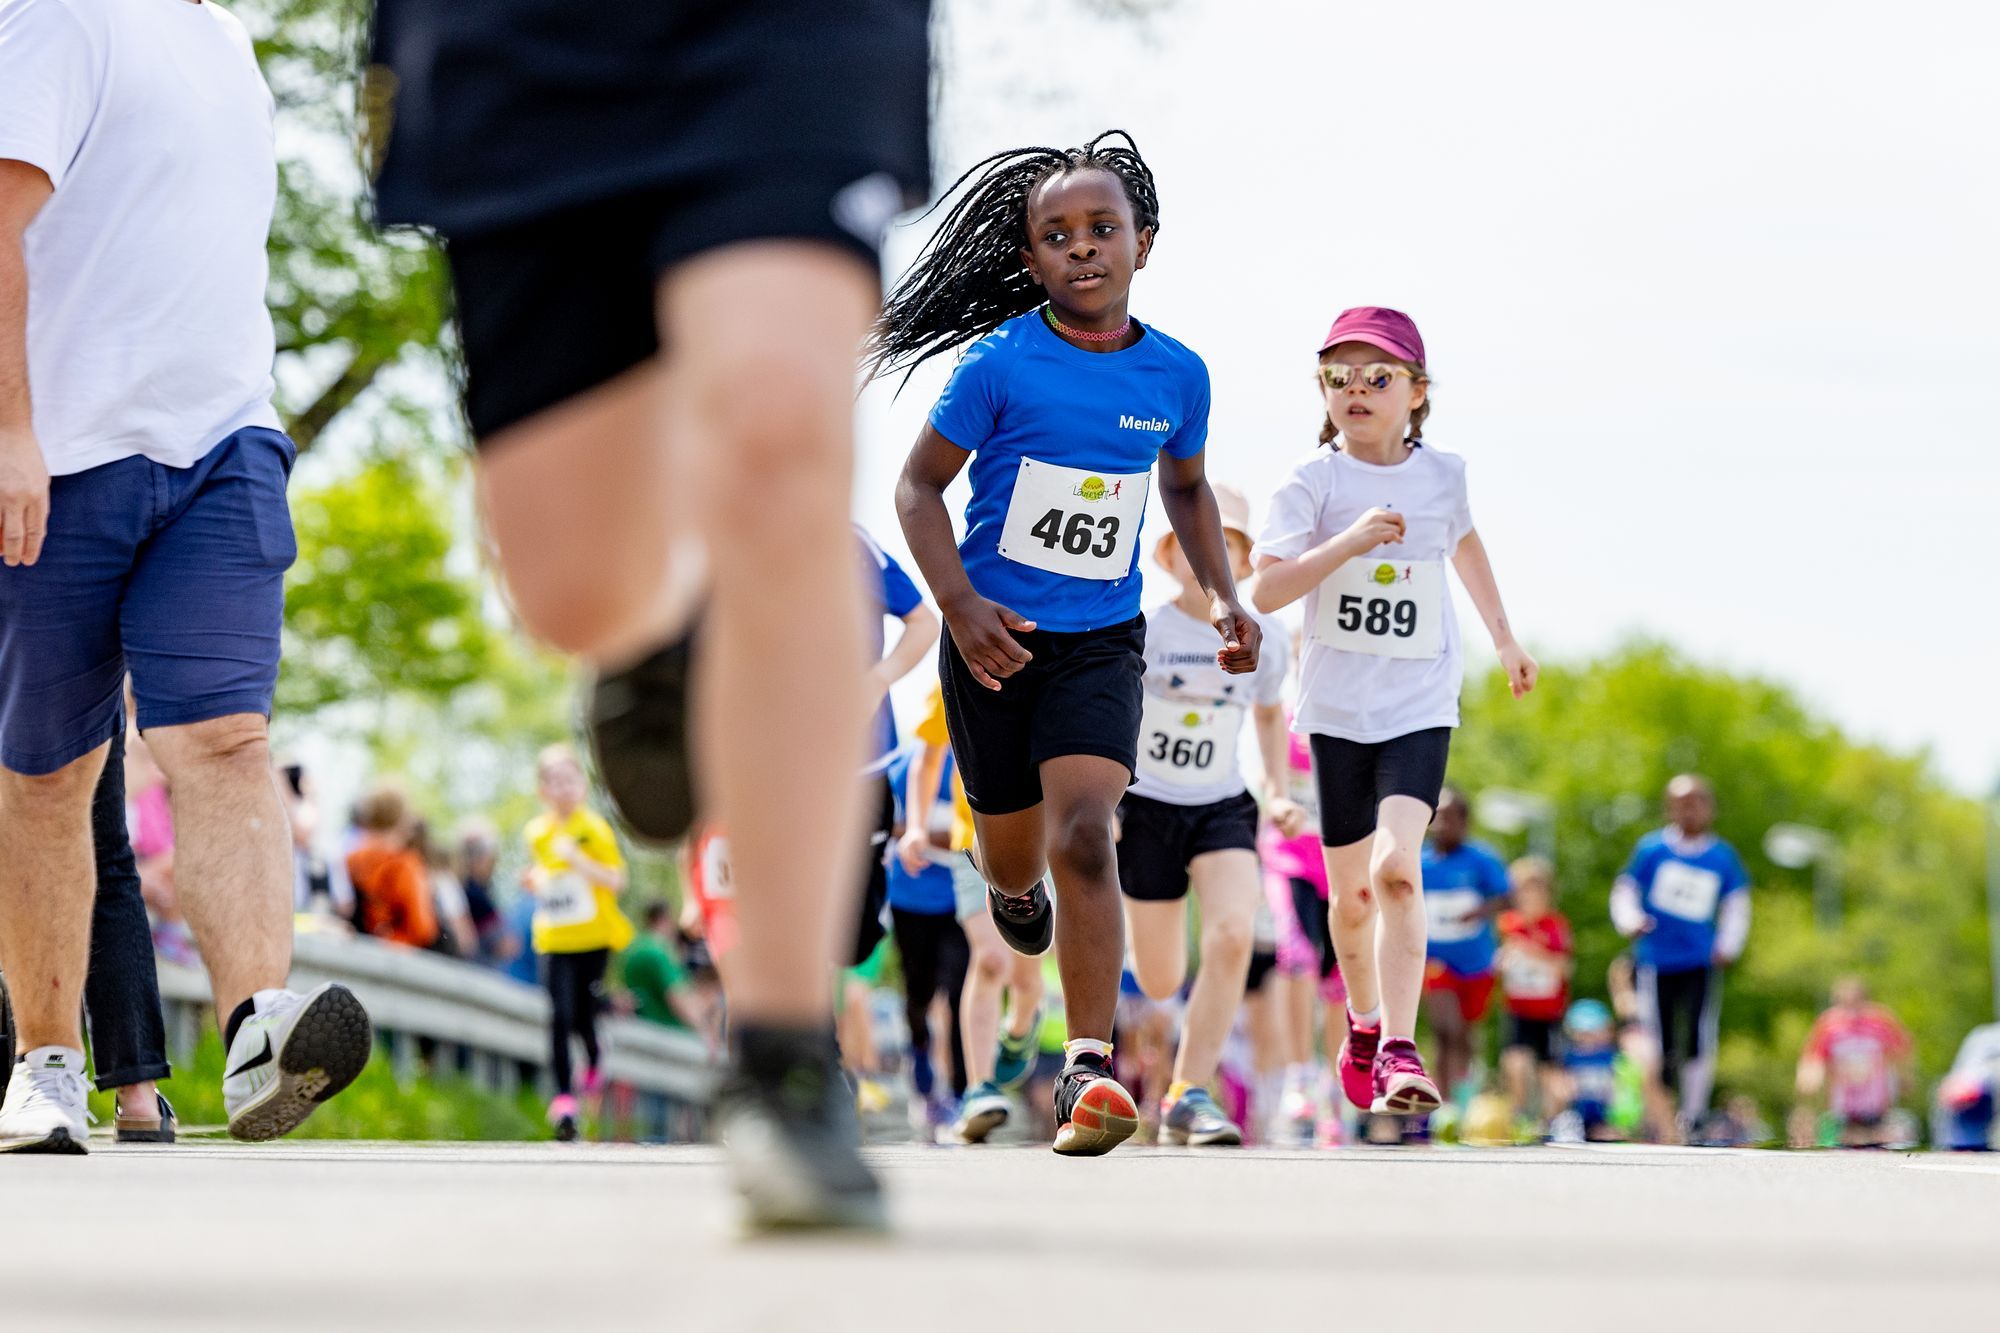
point(377, 1237)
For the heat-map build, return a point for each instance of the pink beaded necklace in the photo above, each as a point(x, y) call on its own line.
point(1082, 335)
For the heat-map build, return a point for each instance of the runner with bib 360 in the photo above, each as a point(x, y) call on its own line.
point(1189, 820)
point(1363, 532)
point(1062, 407)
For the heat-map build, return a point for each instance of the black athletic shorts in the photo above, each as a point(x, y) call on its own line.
point(1535, 1034)
point(1159, 839)
point(1080, 695)
point(1262, 961)
point(868, 926)
point(1355, 777)
point(572, 153)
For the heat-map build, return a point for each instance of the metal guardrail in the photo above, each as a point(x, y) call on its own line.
point(494, 1026)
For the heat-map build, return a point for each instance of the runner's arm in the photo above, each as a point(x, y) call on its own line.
point(1475, 571)
point(1732, 927)
point(24, 475)
point(1628, 913)
point(920, 635)
point(1190, 506)
point(981, 630)
point(1278, 582)
point(1274, 747)
point(920, 792)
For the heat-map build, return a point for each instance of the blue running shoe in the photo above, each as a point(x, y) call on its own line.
point(1198, 1122)
point(1016, 1059)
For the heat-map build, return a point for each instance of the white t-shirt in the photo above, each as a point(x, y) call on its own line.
point(1195, 711)
point(1356, 695)
point(147, 328)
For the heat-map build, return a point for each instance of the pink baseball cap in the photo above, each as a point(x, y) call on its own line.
point(1391, 330)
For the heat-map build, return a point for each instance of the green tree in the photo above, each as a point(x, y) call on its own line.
point(1601, 738)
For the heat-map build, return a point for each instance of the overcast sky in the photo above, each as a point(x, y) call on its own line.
point(1707, 290)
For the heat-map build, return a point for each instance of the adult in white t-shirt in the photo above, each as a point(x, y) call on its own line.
point(143, 526)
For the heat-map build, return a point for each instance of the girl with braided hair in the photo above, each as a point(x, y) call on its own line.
point(1062, 405)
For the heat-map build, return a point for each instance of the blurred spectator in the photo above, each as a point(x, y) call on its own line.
point(319, 883)
point(1966, 1096)
point(521, 960)
point(391, 888)
point(1856, 1061)
point(1536, 960)
point(476, 859)
point(456, 937)
point(658, 983)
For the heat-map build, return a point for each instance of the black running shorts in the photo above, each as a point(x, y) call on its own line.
point(1355, 777)
point(1157, 840)
point(1533, 1034)
point(572, 153)
point(1080, 695)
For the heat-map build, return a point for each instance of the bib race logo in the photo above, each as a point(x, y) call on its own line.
point(1191, 720)
point(1385, 574)
point(1093, 489)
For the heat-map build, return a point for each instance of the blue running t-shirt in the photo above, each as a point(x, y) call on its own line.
point(1078, 433)
point(1682, 886)
point(1458, 885)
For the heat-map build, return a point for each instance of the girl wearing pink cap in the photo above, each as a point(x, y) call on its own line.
point(1363, 533)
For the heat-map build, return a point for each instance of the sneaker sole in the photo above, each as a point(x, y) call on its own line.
point(652, 785)
point(975, 1128)
point(1411, 1098)
point(1220, 1138)
point(1103, 1117)
point(57, 1142)
point(325, 1051)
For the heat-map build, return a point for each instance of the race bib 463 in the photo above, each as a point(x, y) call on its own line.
point(1070, 521)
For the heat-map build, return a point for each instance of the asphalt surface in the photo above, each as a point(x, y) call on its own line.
point(546, 1237)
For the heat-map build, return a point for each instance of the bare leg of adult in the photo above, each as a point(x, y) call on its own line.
point(232, 852)
point(591, 533)
point(1080, 792)
point(47, 877)
point(1227, 887)
point(763, 338)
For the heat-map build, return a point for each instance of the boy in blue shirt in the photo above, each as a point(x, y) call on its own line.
point(1684, 899)
point(1465, 888)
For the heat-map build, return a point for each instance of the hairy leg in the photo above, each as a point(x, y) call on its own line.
point(1227, 885)
point(1080, 794)
point(47, 877)
point(232, 852)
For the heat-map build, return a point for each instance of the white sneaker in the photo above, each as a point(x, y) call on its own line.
point(293, 1053)
point(46, 1110)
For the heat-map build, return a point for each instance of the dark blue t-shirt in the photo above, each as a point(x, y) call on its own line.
point(1456, 886)
point(1681, 886)
point(1088, 426)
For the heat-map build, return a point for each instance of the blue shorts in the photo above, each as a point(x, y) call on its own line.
point(176, 574)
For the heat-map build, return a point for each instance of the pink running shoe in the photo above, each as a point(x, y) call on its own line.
point(1401, 1085)
point(1357, 1063)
